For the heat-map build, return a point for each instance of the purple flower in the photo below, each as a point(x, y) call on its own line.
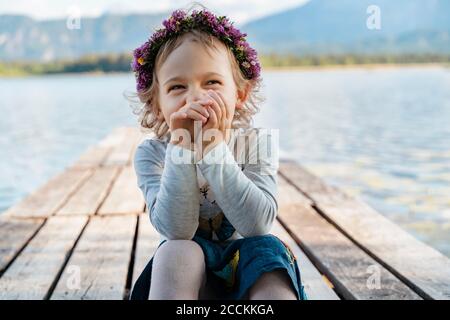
point(220, 29)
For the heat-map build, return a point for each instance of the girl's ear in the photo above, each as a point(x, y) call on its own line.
point(242, 96)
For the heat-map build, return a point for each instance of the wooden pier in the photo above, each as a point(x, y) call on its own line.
point(85, 235)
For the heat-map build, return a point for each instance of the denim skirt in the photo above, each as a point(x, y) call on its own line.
point(232, 268)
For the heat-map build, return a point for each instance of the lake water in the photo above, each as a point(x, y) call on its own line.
point(379, 134)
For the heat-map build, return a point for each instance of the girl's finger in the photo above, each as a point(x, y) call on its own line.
point(199, 108)
point(215, 106)
point(195, 115)
point(224, 104)
point(212, 120)
point(206, 102)
point(220, 101)
point(213, 116)
point(178, 115)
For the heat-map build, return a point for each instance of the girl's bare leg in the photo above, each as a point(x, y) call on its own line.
point(178, 271)
point(274, 285)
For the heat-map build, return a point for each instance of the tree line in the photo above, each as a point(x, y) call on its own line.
point(121, 62)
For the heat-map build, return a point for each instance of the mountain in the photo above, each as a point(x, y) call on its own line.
point(339, 26)
point(317, 27)
point(24, 38)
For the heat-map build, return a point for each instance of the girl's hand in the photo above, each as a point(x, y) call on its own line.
point(219, 120)
point(184, 119)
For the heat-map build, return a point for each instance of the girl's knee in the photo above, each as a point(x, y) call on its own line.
point(181, 246)
point(178, 270)
point(181, 253)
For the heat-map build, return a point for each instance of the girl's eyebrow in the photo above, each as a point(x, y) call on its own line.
point(179, 78)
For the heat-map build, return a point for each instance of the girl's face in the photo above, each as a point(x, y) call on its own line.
point(190, 71)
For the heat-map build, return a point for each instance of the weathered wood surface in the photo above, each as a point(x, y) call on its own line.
point(419, 265)
point(348, 267)
point(147, 242)
point(85, 235)
point(124, 197)
point(33, 272)
point(316, 285)
point(98, 267)
point(91, 194)
point(15, 234)
point(50, 197)
point(122, 151)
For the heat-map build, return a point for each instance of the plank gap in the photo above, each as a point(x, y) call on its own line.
point(311, 257)
point(108, 190)
point(2, 271)
point(316, 207)
point(129, 281)
point(385, 265)
point(66, 260)
point(74, 191)
point(295, 186)
point(398, 275)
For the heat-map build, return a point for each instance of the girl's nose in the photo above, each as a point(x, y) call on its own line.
point(197, 92)
point(201, 96)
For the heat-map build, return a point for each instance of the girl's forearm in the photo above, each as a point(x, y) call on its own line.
point(175, 211)
point(248, 199)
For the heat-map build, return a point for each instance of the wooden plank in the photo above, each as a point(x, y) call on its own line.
point(35, 269)
point(96, 155)
point(15, 234)
point(290, 195)
point(125, 196)
point(122, 152)
point(89, 197)
point(93, 157)
point(352, 271)
point(424, 268)
point(49, 198)
point(116, 137)
point(146, 245)
point(316, 287)
point(100, 260)
point(139, 136)
point(142, 135)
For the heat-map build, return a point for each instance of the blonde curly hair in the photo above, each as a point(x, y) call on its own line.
point(148, 108)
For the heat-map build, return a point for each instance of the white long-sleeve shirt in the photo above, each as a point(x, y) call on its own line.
point(238, 178)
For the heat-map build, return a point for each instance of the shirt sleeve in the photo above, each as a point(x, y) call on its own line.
point(168, 179)
point(248, 198)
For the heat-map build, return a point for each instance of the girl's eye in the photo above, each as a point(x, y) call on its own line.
point(214, 81)
point(175, 87)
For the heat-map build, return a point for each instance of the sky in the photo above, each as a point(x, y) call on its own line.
point(239, 11)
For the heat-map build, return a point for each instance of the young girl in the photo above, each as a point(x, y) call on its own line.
point(209, 184)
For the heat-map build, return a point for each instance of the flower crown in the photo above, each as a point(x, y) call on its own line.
point(179, 23)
